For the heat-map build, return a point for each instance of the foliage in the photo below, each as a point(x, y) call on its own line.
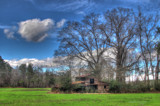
point(25, 76)
point(5, 73)
point(52, 81)
point(78, 88)
point(134, 87)
point(157, 87)
point(114, 86)
point(65, 82)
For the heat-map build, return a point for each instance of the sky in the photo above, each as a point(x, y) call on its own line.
point(29, 28)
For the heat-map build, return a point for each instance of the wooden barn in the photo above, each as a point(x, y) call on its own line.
point(90, 82)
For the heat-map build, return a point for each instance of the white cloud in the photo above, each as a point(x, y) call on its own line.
point(135, 1)
point(61, 23)
point(81, 13)
point(4, 26)
point(35, 30)
point(10, 32)
point(64, 5)
point(48, 62)
point(141, 77)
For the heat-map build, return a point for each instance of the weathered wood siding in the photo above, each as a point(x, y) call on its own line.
point(87, 81)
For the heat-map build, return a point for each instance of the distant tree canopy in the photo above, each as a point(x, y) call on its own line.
point(5, 70)
point(4, 66)
point(25, 76)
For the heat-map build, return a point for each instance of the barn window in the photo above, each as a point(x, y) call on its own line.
point(91, 81)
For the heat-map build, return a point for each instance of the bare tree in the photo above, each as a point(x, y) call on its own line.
point(119, 29)
point(146, 32)
point(157, 66)
point(84, 41)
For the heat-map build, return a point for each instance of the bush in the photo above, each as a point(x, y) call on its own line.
point(78, 88)
point(157, 87)
point(65, 84)
point(90, 90)
point(55, 89)
point(135, 87)
point(114, 86)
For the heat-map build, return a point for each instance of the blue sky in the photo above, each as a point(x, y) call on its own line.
point(28, 28)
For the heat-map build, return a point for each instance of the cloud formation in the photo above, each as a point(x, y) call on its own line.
point(61, 23)
point(35, 30)
point(9, 32)
point(48, 62)
point(87, 6)
point(142, 1)
point(64, 5)
point(44, 63)
point(4, 26)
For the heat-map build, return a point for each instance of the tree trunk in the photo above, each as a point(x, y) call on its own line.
point(157, 70)
point(119, 63)
point(147, 72)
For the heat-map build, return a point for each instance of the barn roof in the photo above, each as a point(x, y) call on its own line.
point(86, 75)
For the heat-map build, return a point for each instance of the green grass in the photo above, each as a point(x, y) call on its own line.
point(40, 97)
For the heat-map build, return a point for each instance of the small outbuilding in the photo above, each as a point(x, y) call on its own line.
point(90, 82)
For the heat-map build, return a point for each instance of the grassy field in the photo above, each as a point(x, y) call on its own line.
point(40, 97)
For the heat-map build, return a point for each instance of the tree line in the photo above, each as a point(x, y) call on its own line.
point(25, 76)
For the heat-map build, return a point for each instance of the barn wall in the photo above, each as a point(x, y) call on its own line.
point(87, 81)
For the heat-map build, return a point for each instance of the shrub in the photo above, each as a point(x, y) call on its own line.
point(134, 87)
point(78, 88)
point(157, 87)
point(55, 89)
point(114, 86)
point(90, 90)
point(65, 82)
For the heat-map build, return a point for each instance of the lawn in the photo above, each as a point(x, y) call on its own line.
point(40, 97)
